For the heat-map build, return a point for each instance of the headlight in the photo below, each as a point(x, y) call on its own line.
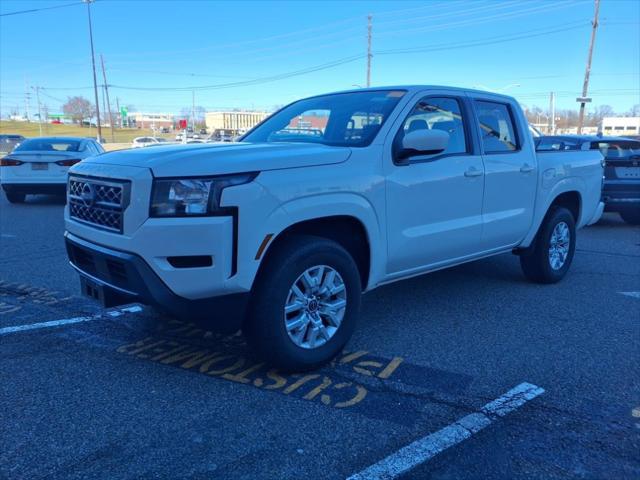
point(192, 196)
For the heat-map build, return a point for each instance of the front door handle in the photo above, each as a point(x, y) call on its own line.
point(526, 168)
point(473, 172)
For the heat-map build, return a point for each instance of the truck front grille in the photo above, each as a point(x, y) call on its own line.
point(98, 202)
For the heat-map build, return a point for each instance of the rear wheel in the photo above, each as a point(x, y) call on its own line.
point(548, 259)
point(631, 216)
point(15, 197)
point(305, 304)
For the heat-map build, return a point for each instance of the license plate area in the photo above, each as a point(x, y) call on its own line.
point(107, 297)
point(39, 166)
point(628, 172)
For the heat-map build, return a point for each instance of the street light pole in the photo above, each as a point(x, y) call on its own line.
point(93, 64)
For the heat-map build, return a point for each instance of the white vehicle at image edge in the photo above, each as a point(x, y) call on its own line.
point(40, 165)
point(280, 234)
point(140, 142)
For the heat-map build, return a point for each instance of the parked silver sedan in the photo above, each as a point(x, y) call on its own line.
point(40, 165)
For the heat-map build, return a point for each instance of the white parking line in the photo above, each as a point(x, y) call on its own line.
point(630, 294)
point(65, 321)
point(426, 448)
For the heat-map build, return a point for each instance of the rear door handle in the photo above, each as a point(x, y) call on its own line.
point(526, 168)
point(473, 172)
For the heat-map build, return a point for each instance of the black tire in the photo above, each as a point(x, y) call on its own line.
point(535, 260)
point(15, 197)
point(632, 217)
point(265, 328)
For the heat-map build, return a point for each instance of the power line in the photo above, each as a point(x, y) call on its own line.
point(38, 9)
point(480, 20)
point(486, 41)
point(256, 81)
point(448, 46)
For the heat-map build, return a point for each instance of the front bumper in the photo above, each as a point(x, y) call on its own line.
point(124, 277)
point(35, 188)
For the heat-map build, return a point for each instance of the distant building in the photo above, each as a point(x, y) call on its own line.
point(235, 122)
point(621, 126)
point(574, 131)
point(309, 122)
point(150, 120)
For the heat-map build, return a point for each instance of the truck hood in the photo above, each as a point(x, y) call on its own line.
point(223, 158)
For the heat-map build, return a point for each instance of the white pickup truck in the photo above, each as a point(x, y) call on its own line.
point(329, 197)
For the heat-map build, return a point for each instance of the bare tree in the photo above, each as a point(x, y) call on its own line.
point(599, 112)
point(634, 111)
point(78, 108)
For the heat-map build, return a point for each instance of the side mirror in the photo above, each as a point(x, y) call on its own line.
point(424, 142)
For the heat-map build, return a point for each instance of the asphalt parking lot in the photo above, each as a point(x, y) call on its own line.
point(132, 394)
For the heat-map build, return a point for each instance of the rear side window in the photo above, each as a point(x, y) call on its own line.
point(497, 128)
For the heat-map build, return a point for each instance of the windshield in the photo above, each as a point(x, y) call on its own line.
point(44, 144)
point(342, 119)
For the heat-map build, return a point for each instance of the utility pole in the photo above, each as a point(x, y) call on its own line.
point(39, 110)
point(585, 87)
point(93, 63)
point(552, 113)
point(27, 99)
point(119, 112)
point(106, 90)
point(369, 55)
point(193, 110)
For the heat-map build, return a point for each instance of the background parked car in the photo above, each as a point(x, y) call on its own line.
point(40, 165)
point(621, 187)
point(9, 141)
point(140, 142)
point(621, 190)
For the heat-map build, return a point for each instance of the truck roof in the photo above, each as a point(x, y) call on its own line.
point(413, 88)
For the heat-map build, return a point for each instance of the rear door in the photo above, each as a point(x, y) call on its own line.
point(510, 173)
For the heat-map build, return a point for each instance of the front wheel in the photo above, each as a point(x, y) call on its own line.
point(548, 259)
point(305, 304)
point(632, 217)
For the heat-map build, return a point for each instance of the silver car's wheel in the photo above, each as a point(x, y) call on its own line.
point(559, 245)
point(315, 306)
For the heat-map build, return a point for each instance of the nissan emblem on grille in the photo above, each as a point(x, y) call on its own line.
point(100, 203)
point(88, 194)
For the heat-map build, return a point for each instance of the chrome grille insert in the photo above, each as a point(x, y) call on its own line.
point(98, 202)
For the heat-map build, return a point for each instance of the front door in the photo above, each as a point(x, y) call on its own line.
point(434, 202)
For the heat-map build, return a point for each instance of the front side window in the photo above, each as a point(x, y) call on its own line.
point(343, 119)
point(496, 127)
point(435, 113)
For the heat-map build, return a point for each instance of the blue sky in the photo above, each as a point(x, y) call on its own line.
point(524, 48)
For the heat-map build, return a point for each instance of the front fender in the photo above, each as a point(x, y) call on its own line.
point(324, 205)
point(349, 205)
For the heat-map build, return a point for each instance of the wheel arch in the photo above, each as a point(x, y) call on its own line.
point(346, 230)
point(568, 197)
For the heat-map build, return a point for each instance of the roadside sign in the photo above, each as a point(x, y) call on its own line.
point(583, 100)
point(124, 111)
